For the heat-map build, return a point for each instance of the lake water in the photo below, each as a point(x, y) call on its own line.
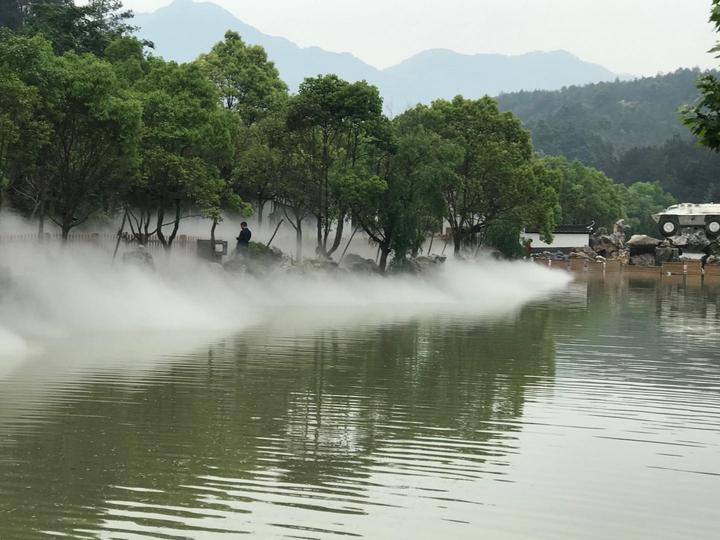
point(592, 414)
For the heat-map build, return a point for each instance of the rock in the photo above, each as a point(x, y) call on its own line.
point(605, 245)
point(582, 255)
point(216, 268)
point(600, 258)
point(320, 264)
point(417, 265)
point(666, 254)
point(640, 244)
point(256, 260)
point(645, 259)
point(713, 249)
point(139, 257)
point(713, 259)
point(357, 264)
point(696, 241)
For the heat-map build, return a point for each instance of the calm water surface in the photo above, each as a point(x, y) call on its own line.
point(594, 414)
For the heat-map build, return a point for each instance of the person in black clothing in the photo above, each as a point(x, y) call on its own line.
point(244, 238)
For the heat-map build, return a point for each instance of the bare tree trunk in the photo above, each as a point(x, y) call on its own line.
point(338, 236)
point(120, 234)
point(384, 252)
point(41, 221)
point(176, 226)
point(320, 244)
point(160, 233)
point(212, 239)
point(298, 240)
point(261, 209)
point(144, 239)
point(65, 229)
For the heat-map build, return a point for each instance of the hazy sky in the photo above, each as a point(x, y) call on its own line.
point(640, 37)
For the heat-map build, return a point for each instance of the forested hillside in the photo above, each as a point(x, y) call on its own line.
point(631, 130)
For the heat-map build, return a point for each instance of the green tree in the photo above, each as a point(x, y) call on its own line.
point(78, 133)
point(642, 200)
point(27, 74)
point(93, 143)
point(248, 83)
point(335, 121)
point(703, 118)
point(497, 175)
point(399, 206)
point(586, 194)
point(187, 140)
point(87, 28)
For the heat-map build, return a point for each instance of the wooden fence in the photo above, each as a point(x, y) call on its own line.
point(182, 242)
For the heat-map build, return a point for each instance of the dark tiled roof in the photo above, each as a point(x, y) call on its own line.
point(569, 229)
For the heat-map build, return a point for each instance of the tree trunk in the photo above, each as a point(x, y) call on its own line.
point(160, 233)
point(65, 229)
point(41, 221)
point(320, 245)
point(338, 236)
point(298, 240)
point(176, 226)
point(212, 239)
point(261, 209)
point(384, 253)
point(457, 241)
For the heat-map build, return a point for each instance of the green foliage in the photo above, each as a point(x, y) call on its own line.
point(247, 82)
point(90, 123)
point(336, 123)
point(78, 129)
point(586, 194)
point(87, 28)
point(399, 208)
point(703, 117)
point(685, 169)
point(632, 130)
point(93, 141)
point(597, 121)
point(496, 174)
point(504, 235)
point(186, 141)
point(641, 201)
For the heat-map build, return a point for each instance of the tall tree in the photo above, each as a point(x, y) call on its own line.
point(335, 120)
point(78, 133)
point(641, 201)
point(586, 194)
point(404, 201)
point(248, 83)
point(496, 175)
point(186, 142)
point(703, 118)
point(93, 143)
point(87, 28)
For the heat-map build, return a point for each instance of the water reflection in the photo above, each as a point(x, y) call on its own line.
point(435, 426)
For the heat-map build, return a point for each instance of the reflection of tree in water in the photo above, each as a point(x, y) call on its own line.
point(430, 397)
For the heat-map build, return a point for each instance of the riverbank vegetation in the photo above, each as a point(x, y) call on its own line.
point(93, 126)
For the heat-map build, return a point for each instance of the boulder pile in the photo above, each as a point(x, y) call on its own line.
point(640, 249)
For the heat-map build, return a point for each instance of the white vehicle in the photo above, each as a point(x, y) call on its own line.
point(689, 218)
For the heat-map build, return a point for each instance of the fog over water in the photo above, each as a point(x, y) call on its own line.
point(53, 292)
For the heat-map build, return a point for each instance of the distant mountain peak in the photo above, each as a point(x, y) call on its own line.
point(185, 29)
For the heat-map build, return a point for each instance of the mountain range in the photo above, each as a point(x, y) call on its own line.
point(185, 29)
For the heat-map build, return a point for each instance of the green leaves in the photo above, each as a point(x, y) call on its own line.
point(642, 200)
point(494, 174)
point(703, 118)
point(247, 82)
